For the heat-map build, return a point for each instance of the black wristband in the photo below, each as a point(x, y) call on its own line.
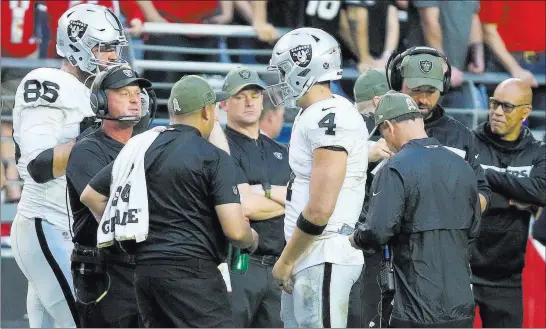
point(308, 227)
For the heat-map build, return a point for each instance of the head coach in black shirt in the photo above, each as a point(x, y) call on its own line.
point(262, 174)
point(515, 167)
point(419, 73)
point(193, 204)
point(116, 98)
point(425, 206)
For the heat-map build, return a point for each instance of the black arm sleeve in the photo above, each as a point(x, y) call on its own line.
point(222, 180)
point(386, 210)
point(41, 168)
point(539, 228)
point(101, 181)
point(530, 189)
point(85, 161)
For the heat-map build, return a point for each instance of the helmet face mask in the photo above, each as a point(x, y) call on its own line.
point(302, 58)
point(85, 31)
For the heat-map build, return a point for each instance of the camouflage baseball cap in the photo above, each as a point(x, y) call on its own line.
point(191, 93)
point(239, 78)
point(391, 106)
point(369, 84)
point(423, 70)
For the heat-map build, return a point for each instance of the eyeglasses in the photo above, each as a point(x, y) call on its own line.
point(506, 107)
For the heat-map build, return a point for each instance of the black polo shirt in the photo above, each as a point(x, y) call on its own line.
point(87, 158)
point(186, 177)
point(257, 162)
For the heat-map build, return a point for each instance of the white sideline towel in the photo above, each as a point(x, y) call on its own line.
point(128, 217)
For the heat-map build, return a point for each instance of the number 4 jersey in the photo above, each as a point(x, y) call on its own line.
point(336, 123)
point(49, 106)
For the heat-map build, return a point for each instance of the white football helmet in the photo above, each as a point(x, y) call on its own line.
point(85, 26)
point(302, 58)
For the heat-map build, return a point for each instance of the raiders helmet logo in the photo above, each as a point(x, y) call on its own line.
point(301, 55)
point(128, 73)
point(425, 66)
point(245, 74)
point(278, 155)
point(76, 30)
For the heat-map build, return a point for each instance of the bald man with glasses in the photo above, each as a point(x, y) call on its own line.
point(515, 168)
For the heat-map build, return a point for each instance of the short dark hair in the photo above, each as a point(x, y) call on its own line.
point(403, 117)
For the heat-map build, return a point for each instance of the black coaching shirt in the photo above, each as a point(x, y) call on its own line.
point(258, 162)
point(186, 177)
point(88, 157)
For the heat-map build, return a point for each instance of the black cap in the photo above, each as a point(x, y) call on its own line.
point(124, 77)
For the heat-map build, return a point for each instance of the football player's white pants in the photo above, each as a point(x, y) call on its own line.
point(320, 298)
point(42, 251)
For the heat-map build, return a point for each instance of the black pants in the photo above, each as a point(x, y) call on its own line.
point(191, 294)
point(500, 307)
point(117, 309)
point(256, 297)
point(364, 302)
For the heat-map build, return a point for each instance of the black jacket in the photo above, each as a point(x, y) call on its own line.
point(459, 139)
point(425, 205)
point(515, 171)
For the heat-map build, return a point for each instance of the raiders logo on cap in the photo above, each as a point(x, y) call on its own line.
point(245, 74)
point(128, 73)
point(425, 66)
point(76, 30)
point(301, 55)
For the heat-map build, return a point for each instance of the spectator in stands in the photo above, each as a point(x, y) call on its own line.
point(18, 39)
point(242, 15)
point(515, 168)
point(447, 26)
point(271, 119)
point(514, 32)
point(129, 8)
point(195, 12)
point(371, 30)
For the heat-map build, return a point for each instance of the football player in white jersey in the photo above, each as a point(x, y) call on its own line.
point(328, 156)
point(49, 106)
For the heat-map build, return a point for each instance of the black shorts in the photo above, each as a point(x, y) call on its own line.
point(192, 294)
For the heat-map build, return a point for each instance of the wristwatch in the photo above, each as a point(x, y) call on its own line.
point(267, 190)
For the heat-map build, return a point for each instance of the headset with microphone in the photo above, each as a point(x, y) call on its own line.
point(396, 62)
point(117, 77)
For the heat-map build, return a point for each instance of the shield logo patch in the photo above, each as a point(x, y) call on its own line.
point(278, 155)
point(301, 55)
point(245, 74)
point(128, 73)
point(76, 30)
point(425, 66)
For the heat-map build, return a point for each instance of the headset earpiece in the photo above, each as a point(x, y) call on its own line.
point(98, 97)
point(395, 67)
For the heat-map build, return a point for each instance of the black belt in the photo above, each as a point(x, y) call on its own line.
point(264, 259)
